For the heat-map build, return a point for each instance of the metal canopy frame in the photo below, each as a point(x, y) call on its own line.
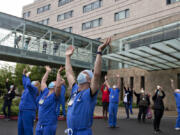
point(158, 56)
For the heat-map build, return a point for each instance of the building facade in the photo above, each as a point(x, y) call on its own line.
point(99, 18)
point(119, 19)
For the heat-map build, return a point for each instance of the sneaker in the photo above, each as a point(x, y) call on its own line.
point(177, 129)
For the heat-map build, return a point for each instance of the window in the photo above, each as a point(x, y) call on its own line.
point(43, 9)
point(121, 15)
point(131, 82)
point(26, 14)
point(92, 6)
point(64, 16)
point(172, 1)
point(45, 21)
point(178, 81)
point(122, 88)
point(143, 82)
point(92, 24)
point(63, 2)
point(69, 29)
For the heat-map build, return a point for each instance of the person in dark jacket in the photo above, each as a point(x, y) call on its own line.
point(126, 100)
point(158, 107)
point(143, 103)
point(8, 99)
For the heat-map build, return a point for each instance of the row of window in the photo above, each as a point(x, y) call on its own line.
point(43, 9)
point(87, 8)
point(90, 24)
point(65, 16)
point(45, 21)
point(63, 2)
point(26, 14)
point(69, 29)
point(92, 6)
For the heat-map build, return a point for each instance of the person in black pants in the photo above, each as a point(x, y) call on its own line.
point(143, 103)
point(158, 108)
point(8, 100)
point(126, 100)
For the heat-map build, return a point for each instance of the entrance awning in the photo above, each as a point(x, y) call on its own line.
point(157, 56)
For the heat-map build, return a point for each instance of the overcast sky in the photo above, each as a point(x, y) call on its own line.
point(13, 7)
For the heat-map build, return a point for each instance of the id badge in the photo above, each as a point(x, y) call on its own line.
point(112, 96)
point(70, 102)
point(41, 101)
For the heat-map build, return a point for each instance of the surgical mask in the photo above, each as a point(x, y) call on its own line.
point(142, 91)
point(33, 83)
point(51, 85)
point(114, 87)
point(82, 76)
point(12, 86)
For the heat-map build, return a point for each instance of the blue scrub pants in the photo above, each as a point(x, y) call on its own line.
point(46, 129)
point(113, 108)
point(26, 122)
point(82, 132)
point(178, 118)
point(63, 108)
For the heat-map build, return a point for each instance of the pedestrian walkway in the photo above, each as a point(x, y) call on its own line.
point(100, 127)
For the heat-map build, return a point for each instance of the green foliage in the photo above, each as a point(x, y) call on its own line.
point(5, 72)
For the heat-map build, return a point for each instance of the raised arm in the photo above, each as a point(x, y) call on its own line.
point(68, 66)
point(24, 78)
point(45, 77)
point(97, 67)
point(172, 84)
point(59, 82)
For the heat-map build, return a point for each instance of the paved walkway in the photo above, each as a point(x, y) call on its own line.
point(100, 127)
point(121, 112)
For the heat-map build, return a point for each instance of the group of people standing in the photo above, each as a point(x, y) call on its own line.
point(110, 101)
point(45, 99)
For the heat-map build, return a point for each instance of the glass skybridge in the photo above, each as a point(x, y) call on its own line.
point(40, 44)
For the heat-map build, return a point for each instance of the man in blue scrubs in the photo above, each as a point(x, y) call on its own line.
point(83, 96)
point(48, 103)
point(62, 98)
point(113, 102)
point(177, 97)
point(27, 106)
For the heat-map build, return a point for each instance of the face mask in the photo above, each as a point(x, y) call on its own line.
point(90, 73)
point(51, 85)
point(114, 86)
point(81, 78)
point(33, 83)
point(12, 86)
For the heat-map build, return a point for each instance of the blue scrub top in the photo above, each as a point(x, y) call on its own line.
point(80, 113)
point(177, 97)
point(47, 111)
point(61, 99)
point(28, 98)
point(114, 95)
point(63, 91)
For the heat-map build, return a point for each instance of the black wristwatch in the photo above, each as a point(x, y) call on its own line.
point(99, 53)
